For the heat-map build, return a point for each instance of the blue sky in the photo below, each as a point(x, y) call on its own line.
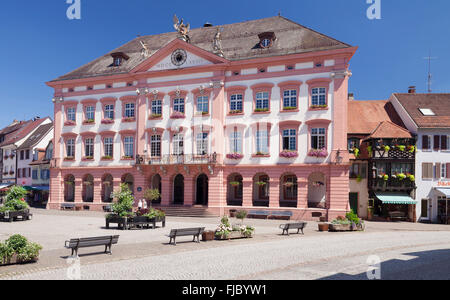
point(39, 43)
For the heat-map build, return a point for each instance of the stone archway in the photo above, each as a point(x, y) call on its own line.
point(88, 188)
point(178, 190)
point(202, 190)
point(317, 190)
point(235, 190)
point(156, 184)
point(69, 188)
point(288, 190)
point(107, 188)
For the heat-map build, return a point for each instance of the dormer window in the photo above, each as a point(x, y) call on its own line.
point(118, 58)
point(266, 39)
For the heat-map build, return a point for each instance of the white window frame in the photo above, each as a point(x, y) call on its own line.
point(291, 134)
point(262, 141)
point(178, 144)
point(71, 114)
point(155, 145)
point(109, 111)
point(128, 146)
point(236, 142)
point(70, 148)
point(130, 110)
point(290, 98)
point(178, 105)
point(108, 146)
point(203, 104)
point(319, 96)
point(262, 100)
point(320, 134)
point(236, 102)
point(89, 147)
point(90, 113)
point(202, 143)
point(156, 107)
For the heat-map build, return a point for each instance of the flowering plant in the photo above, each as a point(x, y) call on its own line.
point(411, 149)
point(289, 154)
point(261, 183)
point(177, 115)
point(107, 121)
point(155, 116)
point(401, 176)
point(69, 123)
point(411, 177)
point(319, 106)
point(318, 153)
point(224, 229)
point(234, 112)
point(129, 119)
point(235, 156)
point(234, 183)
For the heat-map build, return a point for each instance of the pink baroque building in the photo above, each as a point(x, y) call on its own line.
point(250, 116)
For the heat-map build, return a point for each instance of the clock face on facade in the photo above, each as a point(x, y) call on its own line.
point(179, 57)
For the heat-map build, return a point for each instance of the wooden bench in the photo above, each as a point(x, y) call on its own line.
point(281, 215)
point(106, 241)
point(195, 232)
point(66, 206)
point(258, 214)
point(397, 215)
point(298, 226)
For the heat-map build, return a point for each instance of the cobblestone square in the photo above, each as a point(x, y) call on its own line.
point(411, 251)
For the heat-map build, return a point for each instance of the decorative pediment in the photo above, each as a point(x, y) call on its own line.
point(179, 55)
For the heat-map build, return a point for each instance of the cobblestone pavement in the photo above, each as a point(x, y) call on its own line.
point(411, 251)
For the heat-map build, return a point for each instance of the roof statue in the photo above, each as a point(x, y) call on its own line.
point(182, 29)
point(217, 43)
point(145, 52)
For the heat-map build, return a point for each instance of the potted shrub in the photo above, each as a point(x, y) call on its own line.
point(225, 231)
point(15, 205)
point(356, 152)
point(324, 227)
point(241, 215)
point(123, 208)
point(235, 183)
point(17, 249)
point(233, 213)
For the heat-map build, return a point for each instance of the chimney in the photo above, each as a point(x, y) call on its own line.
point(351, 96)
point(207, 24)
point(412, 90)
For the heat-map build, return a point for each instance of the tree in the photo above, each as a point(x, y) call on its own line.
point(152, 195)
point(125, 201)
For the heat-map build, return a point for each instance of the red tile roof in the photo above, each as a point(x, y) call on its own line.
point(438, 103)
point(387, 130)
point(23, 132)
point(365, 117)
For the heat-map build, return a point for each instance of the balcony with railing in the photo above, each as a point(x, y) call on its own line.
point(184, 159)
point(391, 184)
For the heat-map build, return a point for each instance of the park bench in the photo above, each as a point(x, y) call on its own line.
point(281, 215)
point(260, 214)
point(298, 226)
point(397, 215)
point(66, 206)
point(195, 232)
point(106, 241)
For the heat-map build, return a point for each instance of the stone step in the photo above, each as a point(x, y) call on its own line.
point(181, 211)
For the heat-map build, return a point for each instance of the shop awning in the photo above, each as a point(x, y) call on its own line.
point(444, 192)
point(36, 188)
point(395, 198)
point(4, 186)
